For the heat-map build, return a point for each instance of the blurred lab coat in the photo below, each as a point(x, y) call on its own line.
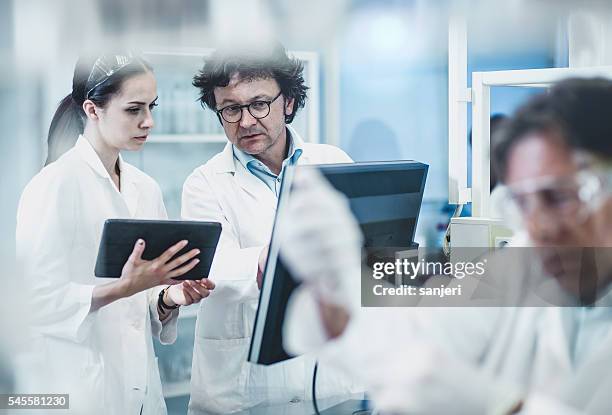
point(470, 360)
point(480, 358)
point(103, 359)
point(222, 380)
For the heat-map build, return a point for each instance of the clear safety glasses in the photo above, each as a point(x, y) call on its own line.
point(568, 199)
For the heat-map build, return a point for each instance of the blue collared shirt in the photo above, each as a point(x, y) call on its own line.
point(262, 172)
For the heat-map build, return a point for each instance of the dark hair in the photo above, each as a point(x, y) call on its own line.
point(578, 109)
point(69, 119)
point(257, 64)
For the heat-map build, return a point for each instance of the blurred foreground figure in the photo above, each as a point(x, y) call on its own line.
point(556, 160)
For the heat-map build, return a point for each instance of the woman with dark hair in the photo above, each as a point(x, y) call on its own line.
point(92, 339)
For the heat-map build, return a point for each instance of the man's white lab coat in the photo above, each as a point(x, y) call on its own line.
point(481, 358)
point(222, 381)
point(103, 359)
point(447, 360)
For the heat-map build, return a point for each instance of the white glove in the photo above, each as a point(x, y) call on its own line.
point(321, 240)
point(540, 404)
point(418, 378)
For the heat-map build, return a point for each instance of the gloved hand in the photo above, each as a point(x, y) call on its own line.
point(321, 240)
point(321, 246)
point(422, 379)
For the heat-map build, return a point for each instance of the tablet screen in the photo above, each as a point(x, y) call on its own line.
point(120, 235)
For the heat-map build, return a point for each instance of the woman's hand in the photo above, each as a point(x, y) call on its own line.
point(139, 274)
point(189, 292)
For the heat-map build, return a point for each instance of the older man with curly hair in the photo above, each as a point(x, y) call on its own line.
point(255, 96)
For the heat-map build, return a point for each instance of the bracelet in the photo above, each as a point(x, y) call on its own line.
point(160, 301)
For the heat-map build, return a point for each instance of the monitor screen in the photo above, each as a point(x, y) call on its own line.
point(385, 198)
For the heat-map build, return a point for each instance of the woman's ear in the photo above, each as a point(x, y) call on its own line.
point(90, 110)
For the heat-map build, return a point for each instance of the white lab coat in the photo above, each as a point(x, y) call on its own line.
point(222, 381)
point(527, 350)
point(103, 359)
point(520, 352)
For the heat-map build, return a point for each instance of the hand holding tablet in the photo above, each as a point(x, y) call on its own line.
point(177, 250)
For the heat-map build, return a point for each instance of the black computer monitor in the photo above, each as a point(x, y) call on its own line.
point(385, 198)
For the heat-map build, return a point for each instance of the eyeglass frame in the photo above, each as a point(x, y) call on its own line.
point(219, 112)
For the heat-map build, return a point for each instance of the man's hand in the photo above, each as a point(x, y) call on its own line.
point(261, 264)
point(321, 246)
point(335, 318)
point(409, 379)
point(321, 240)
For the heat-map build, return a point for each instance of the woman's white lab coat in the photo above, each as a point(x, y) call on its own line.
point(103, 359)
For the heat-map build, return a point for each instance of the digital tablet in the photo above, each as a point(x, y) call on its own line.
point(120, 235)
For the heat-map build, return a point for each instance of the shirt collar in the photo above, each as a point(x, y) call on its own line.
point(243, 158)
point(296, 148)
point(89, 155)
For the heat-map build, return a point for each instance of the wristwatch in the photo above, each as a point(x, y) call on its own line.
point(160, 301)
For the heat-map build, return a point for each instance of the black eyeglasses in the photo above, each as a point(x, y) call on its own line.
point(258, 109)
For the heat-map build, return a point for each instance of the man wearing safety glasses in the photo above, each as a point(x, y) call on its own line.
point(555, 157)
point(255, 95)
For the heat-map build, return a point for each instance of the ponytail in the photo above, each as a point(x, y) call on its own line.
point(69, 119)
point(65, 128)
